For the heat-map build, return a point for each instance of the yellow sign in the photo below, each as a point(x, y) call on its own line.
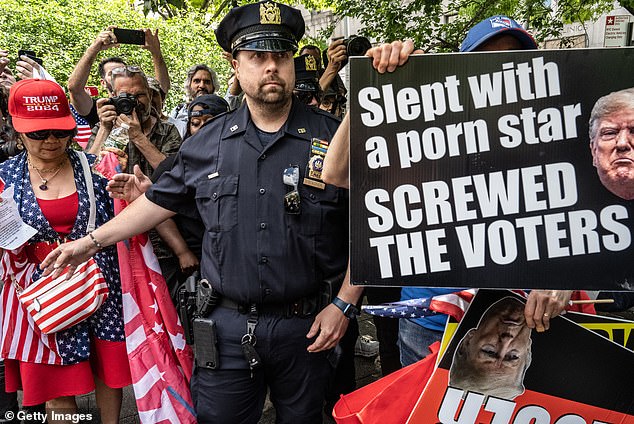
point(270, 14)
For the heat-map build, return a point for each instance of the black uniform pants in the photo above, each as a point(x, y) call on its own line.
point(297, 379)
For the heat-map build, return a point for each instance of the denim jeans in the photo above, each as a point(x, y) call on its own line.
point(414, 340)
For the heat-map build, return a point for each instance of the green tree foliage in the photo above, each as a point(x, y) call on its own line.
point(59, 31)
point(425, 21)
point(420, 20)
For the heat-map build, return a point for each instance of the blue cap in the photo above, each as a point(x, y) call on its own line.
point(496, 25)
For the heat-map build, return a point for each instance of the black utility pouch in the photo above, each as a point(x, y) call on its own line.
point(206, 346)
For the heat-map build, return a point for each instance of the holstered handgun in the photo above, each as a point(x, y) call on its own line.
point(187, 306)
point(206, 299)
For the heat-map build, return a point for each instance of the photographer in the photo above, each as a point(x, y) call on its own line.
point(82, 101)
point(151, 140)
point(337, 58)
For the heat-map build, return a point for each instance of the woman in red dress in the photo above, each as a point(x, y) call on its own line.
point(51, 189)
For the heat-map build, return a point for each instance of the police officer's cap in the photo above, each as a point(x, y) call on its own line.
point(306, 74)
point(265, 26)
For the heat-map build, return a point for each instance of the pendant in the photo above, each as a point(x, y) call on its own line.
point(43, 186)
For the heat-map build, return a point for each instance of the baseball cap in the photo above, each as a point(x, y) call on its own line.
point(265, 26)
point(212, 104)
point(36, 105)
point(155, 86)
point(496, 25)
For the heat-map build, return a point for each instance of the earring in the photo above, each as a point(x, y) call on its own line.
point(19, 144)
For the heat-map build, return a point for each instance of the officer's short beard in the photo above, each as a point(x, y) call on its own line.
point(273, 99)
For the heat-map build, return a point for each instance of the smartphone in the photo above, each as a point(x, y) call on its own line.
point(129, 36)
point(31, 55)
point(205, 343)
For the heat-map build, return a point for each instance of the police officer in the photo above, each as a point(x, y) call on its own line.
point(274, 231)
point(307, 87)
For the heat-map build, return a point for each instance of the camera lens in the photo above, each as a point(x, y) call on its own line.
point(358, 46)
point(125, 106)
point(124, 103)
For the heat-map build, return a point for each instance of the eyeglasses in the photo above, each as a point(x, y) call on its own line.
point(44, 134)
point(129, 68)
point(290, 177)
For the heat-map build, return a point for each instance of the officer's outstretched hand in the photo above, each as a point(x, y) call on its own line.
point(544, 305)
point(330, 325)
point(388, 56)
point(128, 186)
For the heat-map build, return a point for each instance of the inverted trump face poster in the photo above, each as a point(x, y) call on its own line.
point(498, 371)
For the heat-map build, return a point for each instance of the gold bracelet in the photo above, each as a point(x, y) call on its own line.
point(95, 242)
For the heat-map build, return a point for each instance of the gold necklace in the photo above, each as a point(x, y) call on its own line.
point(55, 171)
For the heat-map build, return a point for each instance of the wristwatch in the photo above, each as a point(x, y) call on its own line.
point(349, 310)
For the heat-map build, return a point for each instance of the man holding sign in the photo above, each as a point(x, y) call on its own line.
point(492, 34)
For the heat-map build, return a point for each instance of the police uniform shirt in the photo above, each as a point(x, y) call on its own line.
point(253, 250)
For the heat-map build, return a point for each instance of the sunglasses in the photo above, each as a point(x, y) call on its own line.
point(44, 134)
point(306, 96)
point(129, 68)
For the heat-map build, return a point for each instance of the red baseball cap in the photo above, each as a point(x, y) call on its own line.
point(36, 105)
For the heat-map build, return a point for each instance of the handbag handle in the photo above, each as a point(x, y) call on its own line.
point(91, 191)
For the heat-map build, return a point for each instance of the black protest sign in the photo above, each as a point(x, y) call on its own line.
point(497, 371)
point(618, 330)
point(475, 170)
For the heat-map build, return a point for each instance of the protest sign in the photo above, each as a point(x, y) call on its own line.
point(618, 330)
point(474, 170)
point(497, 371)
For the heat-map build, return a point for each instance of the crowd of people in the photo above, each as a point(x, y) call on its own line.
point(249, 189)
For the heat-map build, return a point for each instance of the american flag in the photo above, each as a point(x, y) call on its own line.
point(160, 360)
point(83, 129)
point(452, 304)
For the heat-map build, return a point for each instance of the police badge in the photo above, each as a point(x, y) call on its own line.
point(311, 63)
point(318, 150)
point(270, 14)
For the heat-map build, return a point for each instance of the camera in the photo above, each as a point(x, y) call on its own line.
point(356, 45)
point(124, 103)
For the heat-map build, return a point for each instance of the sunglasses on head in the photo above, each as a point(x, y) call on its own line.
point(129, 68)
point(44, 134)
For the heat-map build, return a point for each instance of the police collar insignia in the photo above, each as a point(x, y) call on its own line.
point(311, 63)
point(318, 150)
point(270, 14)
